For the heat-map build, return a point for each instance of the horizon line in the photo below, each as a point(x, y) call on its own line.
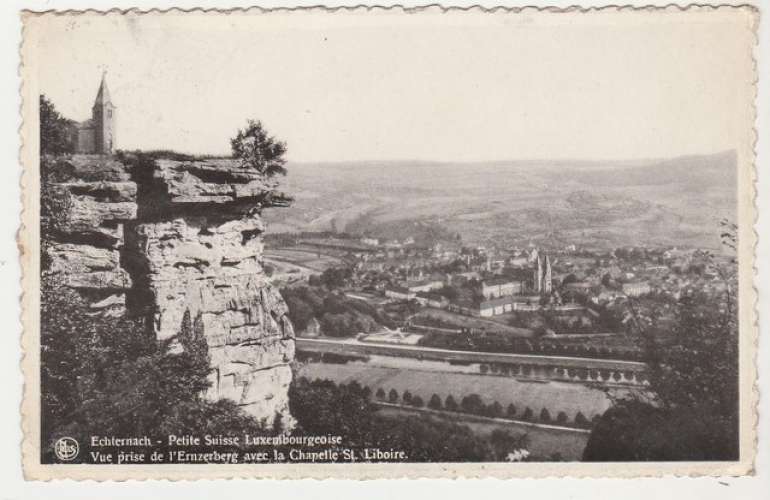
point(481, 161)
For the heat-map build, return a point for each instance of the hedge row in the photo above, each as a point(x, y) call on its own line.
point(474, 405)
point(581, 373)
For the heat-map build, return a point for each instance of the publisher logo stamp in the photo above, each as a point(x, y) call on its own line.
point(66, 449)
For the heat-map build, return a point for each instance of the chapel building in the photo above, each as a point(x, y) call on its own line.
point(97, 135)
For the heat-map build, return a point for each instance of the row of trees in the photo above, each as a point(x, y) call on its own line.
point(474, 405)
point(323, 407)
point(496, 342)
point(585, 374)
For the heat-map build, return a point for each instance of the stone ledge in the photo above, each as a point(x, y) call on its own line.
point(211, 181)
point(90, 168)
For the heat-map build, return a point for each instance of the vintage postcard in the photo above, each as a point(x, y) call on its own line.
point(375, 243)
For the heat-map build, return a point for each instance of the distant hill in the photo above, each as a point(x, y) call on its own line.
point(691, 171)
point(676, 201)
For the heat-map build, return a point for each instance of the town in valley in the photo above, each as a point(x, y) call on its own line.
point(493, 257)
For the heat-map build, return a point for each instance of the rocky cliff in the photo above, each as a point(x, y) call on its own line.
point(161, 238)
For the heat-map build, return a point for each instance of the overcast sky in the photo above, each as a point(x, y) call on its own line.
point(370, 86)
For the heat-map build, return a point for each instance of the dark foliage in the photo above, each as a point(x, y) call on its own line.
point(581, 420)
point(108, 376)
point(339, 316)
point(487, 341)
point(259, 150)
point(168, 154)
point(435, 402)
point(322, 407)
point(472, 404)
point(636, 431)
point(692, 409)
point(55, 130)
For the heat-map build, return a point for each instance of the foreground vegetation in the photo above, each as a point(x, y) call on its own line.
point(691, 411)
point(108, 376)
point(323, 407)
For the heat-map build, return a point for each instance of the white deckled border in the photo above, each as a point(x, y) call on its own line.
point(28, 241)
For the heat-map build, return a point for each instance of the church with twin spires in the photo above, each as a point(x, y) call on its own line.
point(97, 135)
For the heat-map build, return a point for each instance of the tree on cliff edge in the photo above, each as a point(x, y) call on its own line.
point(258, 150)
point(53, 129)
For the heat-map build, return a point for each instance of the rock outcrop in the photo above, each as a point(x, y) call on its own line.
point(164, 238)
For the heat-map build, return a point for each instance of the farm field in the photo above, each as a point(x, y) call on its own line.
point(305, 259)
point(287, 273)
point(570, 398)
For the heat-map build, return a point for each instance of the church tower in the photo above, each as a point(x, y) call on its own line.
point(547, 275)
point(103, 118)
point(539, 275)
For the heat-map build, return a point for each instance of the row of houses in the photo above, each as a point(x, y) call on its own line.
point(497, 306)
point(630, 289)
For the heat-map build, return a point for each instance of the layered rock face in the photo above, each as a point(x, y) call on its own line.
point(176, 237)
point(93, 198)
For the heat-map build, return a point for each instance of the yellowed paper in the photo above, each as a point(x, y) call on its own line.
point(378, 243)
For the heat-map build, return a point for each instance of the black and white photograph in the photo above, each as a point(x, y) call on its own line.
point(450, 242)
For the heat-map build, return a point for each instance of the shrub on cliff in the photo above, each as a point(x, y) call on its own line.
point(258, 150)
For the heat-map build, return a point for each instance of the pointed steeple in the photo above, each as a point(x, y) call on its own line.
point(547, 275)
point(103, 96)
point(103, 119)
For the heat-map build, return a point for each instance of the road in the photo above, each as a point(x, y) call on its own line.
point(353, 346)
